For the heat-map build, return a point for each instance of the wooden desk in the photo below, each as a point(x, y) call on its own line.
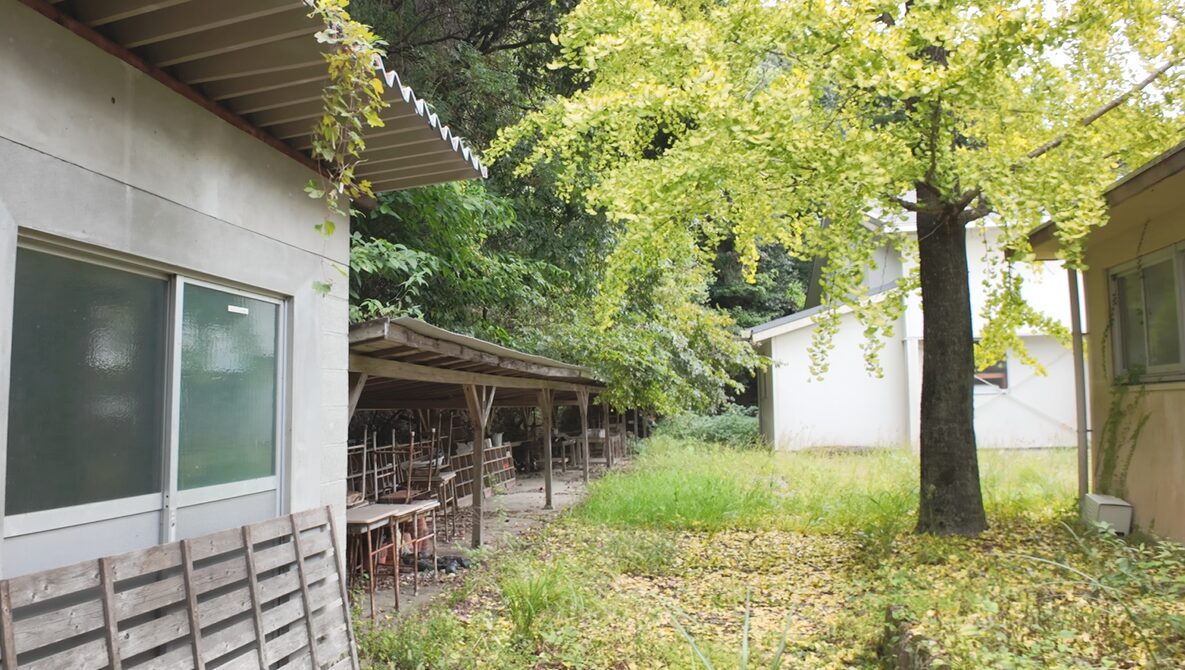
point(379, 525)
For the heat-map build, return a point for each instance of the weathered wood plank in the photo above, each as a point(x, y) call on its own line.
point(253, 590)
point(224, 606)
point(301, 569)
point(148, 597)
point(339, 564)
point(191, 605)
point(288, 643)
point(282, 615)
point(220, 643)
point(311, 518)
point(155, 633)
point(90, 655)
point(37, 631)
point(42, 586)
point(273, 557)
point(271, 529)
point(8, 650)
point(153, 559)
point(215, 544)
point(110, 625)
point(180, 658)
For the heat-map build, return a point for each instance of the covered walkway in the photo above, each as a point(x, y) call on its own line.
point(409, 364)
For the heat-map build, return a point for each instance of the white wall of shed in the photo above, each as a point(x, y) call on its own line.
point(848, 407)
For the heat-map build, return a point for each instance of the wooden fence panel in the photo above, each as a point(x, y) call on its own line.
point(267, 596)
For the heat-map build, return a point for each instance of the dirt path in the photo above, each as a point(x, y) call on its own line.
point(508, 514)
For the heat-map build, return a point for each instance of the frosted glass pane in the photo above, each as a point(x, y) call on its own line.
point(228, 388)
point(86, 408)
point(1164, 330)
point(1130, 300)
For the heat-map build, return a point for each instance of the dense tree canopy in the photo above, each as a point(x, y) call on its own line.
point(518, 259)
point(796, 123)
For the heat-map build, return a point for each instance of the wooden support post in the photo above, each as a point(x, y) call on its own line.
point(356, 392)
point(545, 408)
point(606, 445)
point(582, 403)
point(480, 401)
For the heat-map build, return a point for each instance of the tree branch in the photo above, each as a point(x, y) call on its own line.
point(1101, 111)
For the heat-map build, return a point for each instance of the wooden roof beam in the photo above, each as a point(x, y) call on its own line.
point(272, 82)
point(401, 335)
point(95, 13)
point(193, 17)
point(236, 37)
point(422, 180)
point(288, 54)
point(377, 367)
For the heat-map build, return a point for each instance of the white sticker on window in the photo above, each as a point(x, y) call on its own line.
point(237, 310)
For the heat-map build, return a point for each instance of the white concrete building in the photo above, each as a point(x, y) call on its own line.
point(1015, 406)
point(167, 364)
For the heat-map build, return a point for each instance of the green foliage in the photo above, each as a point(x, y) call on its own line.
point(1125, 420)
point(404, 273)
point(517, 260)
point(418, 642)
point(778, 288)
point(351, 101)
point(533, 589)
point(736, 426)
point(761, 121)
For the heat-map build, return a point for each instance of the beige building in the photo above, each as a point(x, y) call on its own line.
point(168, 366)
point(1135, 316)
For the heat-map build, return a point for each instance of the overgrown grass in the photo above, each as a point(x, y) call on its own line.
point(818, 545)
point(677, 484)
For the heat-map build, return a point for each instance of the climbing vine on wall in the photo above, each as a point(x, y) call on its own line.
point(351, 101)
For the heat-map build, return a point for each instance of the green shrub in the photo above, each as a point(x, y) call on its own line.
point(534, 588)
point(736, 426)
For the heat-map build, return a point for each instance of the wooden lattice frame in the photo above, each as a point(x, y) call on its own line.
point(245, 598)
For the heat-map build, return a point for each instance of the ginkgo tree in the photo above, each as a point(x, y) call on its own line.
point(798, 122)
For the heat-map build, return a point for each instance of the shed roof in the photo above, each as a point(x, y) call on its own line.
point(413, 364)
point(804, 318)
point(256, 64)
point(1143, 179)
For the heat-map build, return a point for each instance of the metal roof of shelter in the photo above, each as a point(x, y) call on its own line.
point(257, 65)
point(411, 364)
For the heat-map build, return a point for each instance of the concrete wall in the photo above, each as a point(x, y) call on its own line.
point(99, 156)
point(1154, 481)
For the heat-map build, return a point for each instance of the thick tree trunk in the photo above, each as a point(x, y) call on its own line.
point(951, 502)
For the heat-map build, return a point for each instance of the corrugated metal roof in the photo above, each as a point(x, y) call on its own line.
point(425, 328)
point(258, 59)
point(761, 332)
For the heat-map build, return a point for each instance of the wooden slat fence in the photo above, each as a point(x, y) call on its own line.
point(266, 596)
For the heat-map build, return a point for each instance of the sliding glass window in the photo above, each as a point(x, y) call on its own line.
point(87, 394)
point(229, 368)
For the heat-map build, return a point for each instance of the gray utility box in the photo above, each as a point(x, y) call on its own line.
point(1115, 512)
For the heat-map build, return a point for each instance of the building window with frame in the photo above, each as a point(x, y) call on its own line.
point(87, 402)
point(99, 349)
point(1146, 299)
point(993, 377)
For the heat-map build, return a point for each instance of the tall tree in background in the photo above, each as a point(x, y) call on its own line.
point(517, 259)
point(761, 121)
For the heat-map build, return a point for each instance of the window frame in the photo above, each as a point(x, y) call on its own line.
point(983, 386)
point(1174, 254)
point(169, 500)
point(177, 498)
